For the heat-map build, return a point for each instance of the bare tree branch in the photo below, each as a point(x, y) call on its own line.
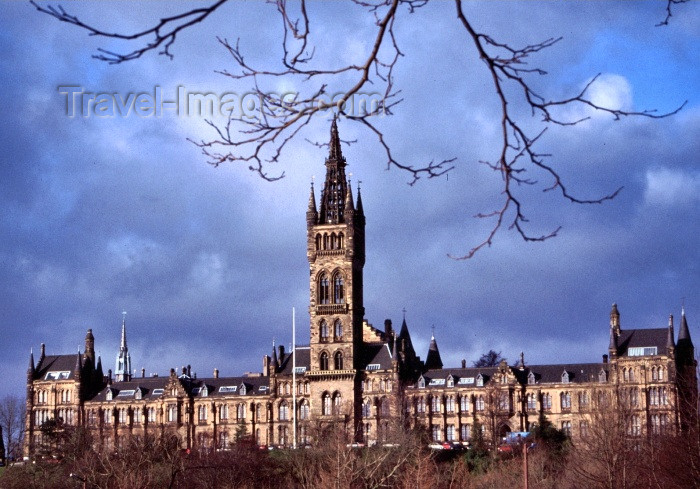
point(259, 142)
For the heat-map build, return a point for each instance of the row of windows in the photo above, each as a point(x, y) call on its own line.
point(331, 241)
point(337, 361)
point(64, 396)
point(325, 333)
point(382, 385)
point(285, 388)
point(324, 290)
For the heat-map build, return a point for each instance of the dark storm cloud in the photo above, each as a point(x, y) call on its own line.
point(105, 215)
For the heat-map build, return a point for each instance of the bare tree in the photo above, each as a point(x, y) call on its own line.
point(259, 142)
point(12, 425)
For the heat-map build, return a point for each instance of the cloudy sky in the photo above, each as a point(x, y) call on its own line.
point(109, 214)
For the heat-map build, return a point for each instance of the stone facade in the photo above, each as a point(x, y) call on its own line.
point(358, 377)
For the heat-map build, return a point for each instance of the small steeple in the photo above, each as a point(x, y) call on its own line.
point(349, 205)
point(359, 209)
point(433, 360)
point(615, 320)
point(122, 371)
point(312, 213)
point(521, 364)
point(78, 368)
point(99, 373)
point(30, 370)
point(334, 151)
point(275, 363)
point(684, 332)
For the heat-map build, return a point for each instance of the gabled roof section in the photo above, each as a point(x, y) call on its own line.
point(56, 367)
point(303, 360)
point(376, 356)
point(642, 338)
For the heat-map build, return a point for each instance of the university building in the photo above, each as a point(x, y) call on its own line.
point(362, 379)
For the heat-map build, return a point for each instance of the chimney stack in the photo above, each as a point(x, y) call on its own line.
point(464, 363)
point(216, 373)
point(605, 358)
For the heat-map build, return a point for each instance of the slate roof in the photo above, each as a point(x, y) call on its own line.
point(56, 363)
point(146, 384)
point(632, 338)
point(552, 374)
point(376, 354)
point(303, 360)
point(457, 374)
point(253, 386)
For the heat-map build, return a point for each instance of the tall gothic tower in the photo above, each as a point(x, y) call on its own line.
point(336, 253)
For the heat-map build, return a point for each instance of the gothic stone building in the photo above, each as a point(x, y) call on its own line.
point(358, 377)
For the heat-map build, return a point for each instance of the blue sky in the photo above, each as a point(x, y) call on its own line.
point(103, 215)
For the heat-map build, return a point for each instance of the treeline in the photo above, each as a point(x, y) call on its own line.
point(609, 456)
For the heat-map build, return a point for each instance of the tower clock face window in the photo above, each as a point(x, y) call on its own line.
point(323, 290)
point(338, 290)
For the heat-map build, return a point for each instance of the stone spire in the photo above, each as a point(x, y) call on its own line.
point(275, 363)
point(685, 351)
point(335, 187)
point(122, 371)
point(433, 360)
point(78, 368)
point(312, 213)
point(349, 205)
point(30, 370)
point(360, 212)
point(670, 343)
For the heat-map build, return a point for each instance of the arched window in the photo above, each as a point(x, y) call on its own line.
point(450, 404)
point(625, 375)
point(240, 412)
point(338, 361)
point(334, 241)
point(338, 290)
point(384, 407)
point(324, 330)
point(464, 403)
point(337, 401)
point(532, 402)
point(323, 361)
point(326, 405)
point(338, 329)
point(366, 408)
point(323, 290)
point(304, 410)
point(546, 401)
point(420, 405)
point(480, 403)
point(661, 373)
point(318, 242)
point(565, 398)
point(654, 374)
point(631, 375)
point(341, 241)
point(283, 411)
point(325, 241)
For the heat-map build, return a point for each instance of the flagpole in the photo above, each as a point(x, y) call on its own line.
point(294, 380)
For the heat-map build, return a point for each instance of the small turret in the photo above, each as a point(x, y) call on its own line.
point(78, 368)
point(433, 360)
point(274, 364)
point(30, 370)
point(685, 351)
point(90, 346)
point(615, 320)
point(670, 344)
point(312, 213)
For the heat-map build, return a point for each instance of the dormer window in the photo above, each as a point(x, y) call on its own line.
point(204, 392)
point(450, 381)
point(138, 395)
point(242, 390)
point(531, 378)
point(110, 395)
point(421, 382)
point(603, 376)
point(565, 377)
point(479, 380)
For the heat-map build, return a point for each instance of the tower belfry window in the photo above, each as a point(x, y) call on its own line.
point(323, 290)
point(324, 331)
point(338, 329)
point(338, 290)
point(323, 361)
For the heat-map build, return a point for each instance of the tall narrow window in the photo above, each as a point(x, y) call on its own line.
point(565, 398)
point(323, 361)
point(324, 330)
point(283, 411)
point(318, 242)
point(338, 361)
point(338, 290)
point(337, 401)
point(323, 290)
point(326, 405)
point(338, 329)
